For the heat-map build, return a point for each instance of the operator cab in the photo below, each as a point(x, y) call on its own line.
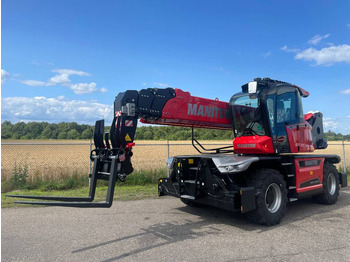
point(268, 118)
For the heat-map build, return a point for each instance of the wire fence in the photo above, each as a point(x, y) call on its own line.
point(63, 159)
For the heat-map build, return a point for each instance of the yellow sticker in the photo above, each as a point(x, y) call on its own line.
point(127, 138)
point(190, 161)
point(311, 173)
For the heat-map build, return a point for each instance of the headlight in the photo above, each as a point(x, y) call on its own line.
point(231, 168)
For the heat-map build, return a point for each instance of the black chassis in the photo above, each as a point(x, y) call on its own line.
point(220, 180)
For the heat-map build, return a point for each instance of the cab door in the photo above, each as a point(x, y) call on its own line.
point(285, 111)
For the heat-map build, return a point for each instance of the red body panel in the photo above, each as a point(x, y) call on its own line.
point(309, 174)
point(300, 138)
point(253, 145)
point(191, 111)
point(308, 116)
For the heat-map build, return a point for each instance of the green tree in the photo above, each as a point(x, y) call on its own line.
point(6, 130)
point(87, 134)
point(18, 130)
point(73, 134)
point(47, 133)
point(54, 130)
point(148, 135)
point(33, 129)
point(16, 136)
point(62, 135)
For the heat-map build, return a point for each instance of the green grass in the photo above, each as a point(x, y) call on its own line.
point(138, 185)
point(20, 181)
point(121, 193)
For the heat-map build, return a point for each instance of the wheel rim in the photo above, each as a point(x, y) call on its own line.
point(331, 184)
point(273, 198)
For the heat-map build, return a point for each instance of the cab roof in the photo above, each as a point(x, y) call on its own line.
point(264, 83)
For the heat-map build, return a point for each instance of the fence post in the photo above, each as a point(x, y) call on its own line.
point(344, 161)
point(90, 162)
point(167, 145)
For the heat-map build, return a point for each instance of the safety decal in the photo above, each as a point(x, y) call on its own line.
point(129, 123)
point(279, 139)
point(127, 138)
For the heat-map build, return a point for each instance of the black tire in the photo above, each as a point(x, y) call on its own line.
point(189, 202)
point(270, 196)
point(330, 193)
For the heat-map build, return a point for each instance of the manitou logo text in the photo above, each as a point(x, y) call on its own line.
point(246, 145)
point(207, 111)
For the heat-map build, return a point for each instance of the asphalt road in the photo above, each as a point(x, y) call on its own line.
point(166, 230)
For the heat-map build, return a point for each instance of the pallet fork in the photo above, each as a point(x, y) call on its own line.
point(109, 164)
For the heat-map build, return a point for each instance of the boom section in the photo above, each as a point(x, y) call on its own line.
point(173, 107)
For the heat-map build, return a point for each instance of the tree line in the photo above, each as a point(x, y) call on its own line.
point(44, 130)
point(72, 130)
point(331, 136)
point(64, 130)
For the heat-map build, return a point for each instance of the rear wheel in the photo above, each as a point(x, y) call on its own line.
point(270, 197)
point(330, 186)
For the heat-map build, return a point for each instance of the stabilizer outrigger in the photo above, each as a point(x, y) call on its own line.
point(110, 164)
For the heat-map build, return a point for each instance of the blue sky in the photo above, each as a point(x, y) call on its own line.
point(67, 60)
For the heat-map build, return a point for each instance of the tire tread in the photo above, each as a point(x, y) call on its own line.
point(259, 179)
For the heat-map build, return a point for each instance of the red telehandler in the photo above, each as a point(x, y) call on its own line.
point(269, 164)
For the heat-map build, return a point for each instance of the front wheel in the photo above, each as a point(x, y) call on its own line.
point(330, 186)
point(270, 196)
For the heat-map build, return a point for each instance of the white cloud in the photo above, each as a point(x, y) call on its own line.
point(33, 83)
point(83, 88)
point(339, 124)
point(103, 90)
point(161, 84)
point(70, 72)
point(317, 39)
point(53, 110)
point(265, 55)
point(345, 92)
point(330, 124)
point(289, 50)
point(63, 79)
point(326, 56)
point(4, 76)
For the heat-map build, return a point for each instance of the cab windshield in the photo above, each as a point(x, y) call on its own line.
point(246, 114)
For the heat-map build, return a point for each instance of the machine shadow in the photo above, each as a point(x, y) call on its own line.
point(160, 234)
point(296, 211)
point(163, 234)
